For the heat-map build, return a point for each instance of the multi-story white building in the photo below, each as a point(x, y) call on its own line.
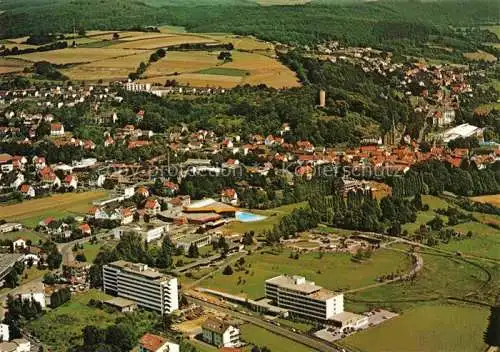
point(303, 297)
point(149, 288)
point(220, 333)
point(137, 87)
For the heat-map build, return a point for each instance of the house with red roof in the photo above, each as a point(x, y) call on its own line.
point(229, 196)
point(27, 190)
point(85, 229)
point(70, 182)
point(152, 207)
point(142, 191)
point(155, 343)
point(56, 129)
point(170, 188)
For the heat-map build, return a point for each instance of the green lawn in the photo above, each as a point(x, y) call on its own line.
point(62, 327)
point(430, 328)
point(424, 217)
point(261, 337)
point(441, 277)
point(25, 235)
point(333, 271)
point(224, 71)
point(485, 241)
point(273, 217)
point(304, 327)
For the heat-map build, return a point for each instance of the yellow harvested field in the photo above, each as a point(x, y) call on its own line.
point(19, 46)
point(18, 40)
point(200, 80)
point(76, 55)
point(11, 65)
point(183, 61)
point(480, 55)
point(109, 69)
point(57, 204)
point(163, 42)
point(129, 36)
point(493, 199)
point(263, 70)
point(242, 42)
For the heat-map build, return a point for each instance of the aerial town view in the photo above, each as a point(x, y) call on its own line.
point(249, 176)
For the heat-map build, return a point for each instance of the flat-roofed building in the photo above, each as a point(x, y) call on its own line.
point(149, 288)
point(304, 297)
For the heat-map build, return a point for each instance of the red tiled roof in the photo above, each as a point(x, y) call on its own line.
point(152, 342)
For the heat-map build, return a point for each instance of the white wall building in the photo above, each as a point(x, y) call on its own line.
point(220, 333)
point(4, 332)
point(303, 297)
point(149, 288)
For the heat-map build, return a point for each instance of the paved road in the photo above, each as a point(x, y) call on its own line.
point(314, 344)
point(66, 249)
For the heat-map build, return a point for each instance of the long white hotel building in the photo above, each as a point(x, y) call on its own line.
point(149, 288)
point(303, 297)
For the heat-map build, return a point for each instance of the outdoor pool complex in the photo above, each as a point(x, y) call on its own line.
point(248, 217)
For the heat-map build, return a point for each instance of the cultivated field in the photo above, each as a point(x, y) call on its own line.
point(492, 199)
point(108, 69)
point(98, 57)
point(443, 328)
point(162, 42)
point(76, 55)
point(334, 271)
point(11, 65)
point(59, 205)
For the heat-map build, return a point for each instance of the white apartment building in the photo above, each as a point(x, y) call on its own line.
point(137, 87)
point(220, 333)
point(303, 297)
point(149, 288)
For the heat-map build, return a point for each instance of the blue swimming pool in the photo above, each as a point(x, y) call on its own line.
point(248, 217)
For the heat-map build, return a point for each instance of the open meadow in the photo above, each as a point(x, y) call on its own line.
point(492, 199)
point(67, 321)
point(430, 328)
point(58, 205)
point(335, 271)
point(8, 65)
point(260, 337)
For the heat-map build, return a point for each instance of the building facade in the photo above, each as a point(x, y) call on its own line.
point(303, 297)
point(149, 288)
point(220, 333)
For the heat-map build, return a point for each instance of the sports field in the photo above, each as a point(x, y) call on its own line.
point(333, 271)
point(429, 328)
point(59, 205)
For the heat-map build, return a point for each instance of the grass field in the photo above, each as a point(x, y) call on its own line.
point(440, 277)
point(225, 72)
point(484, 243)
point(333, 271)
point(76, 55)
point(62, 328)
point(493, 29)
point(273, 217)
point(59, 205)
point(430, 328)
point(480, 55)
point(243, 43)
point(261, 337)
point(425, 216)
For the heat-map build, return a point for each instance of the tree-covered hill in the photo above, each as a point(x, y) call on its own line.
point(366, 23)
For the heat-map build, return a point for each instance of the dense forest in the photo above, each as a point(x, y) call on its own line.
point(391, 24)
